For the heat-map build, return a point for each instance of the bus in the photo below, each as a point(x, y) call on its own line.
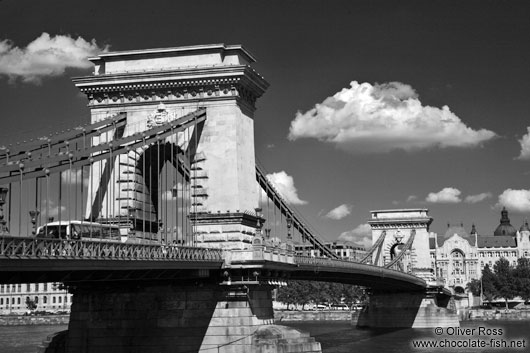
point(76, 230)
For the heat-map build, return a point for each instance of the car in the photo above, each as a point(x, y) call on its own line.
point(339, 307)
point(321, 307)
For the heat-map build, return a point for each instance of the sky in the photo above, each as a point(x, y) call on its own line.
point(371, 105)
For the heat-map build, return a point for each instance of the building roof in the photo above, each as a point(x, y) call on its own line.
point(496, 241)
point(458, 230)
point(505, 228)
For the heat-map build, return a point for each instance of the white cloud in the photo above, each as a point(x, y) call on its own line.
point(525, 146)
point(515, 200)
point(446, 195)
point(361, 235)
point(284, 184)
point(53, 211)
point(45, 56)
point(339, 212)
point(412, 198)
point(383, 117)
point(478, 197)
point(73, 177)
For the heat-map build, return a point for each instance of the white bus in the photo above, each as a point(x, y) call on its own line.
point(75, 230)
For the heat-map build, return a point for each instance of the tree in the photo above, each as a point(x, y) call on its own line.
point(30, 304)
point(305, 292)
point(474, 287)
point(504, 284)
point(488, 284)
point(522, 278)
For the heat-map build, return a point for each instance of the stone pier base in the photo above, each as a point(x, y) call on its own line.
point(416, 310)
point(206, 318)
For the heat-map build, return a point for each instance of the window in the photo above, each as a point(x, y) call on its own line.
point(28, 288)
point(2, 288)
point(53, 300)
point(44, 300)
point(1, 301)
point(36, 299)
point(45, 287)
point(19, 288)
point(12, 300)
point(60, 300)
point(36, 287)
point(18, 300)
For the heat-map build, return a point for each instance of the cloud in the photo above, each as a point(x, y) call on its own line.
point(45, 57)
point(478, 197)
point(339, 212)
point(73, 176)
point(446, 195)
point(525, 146)
point(53, 211)
point(361, 235)
point(412, 198)
point(379, 118)
point(515, 200)
point(284, 184)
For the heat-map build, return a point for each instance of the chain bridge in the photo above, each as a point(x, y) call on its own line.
point(158, 219)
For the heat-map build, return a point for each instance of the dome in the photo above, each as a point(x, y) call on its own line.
point(505, 228)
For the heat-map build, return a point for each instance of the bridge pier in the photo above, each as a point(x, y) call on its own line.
point(193, 317)
point(407, 309)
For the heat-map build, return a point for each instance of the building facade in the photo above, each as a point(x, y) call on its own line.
point(344, 250)
point(50, 297)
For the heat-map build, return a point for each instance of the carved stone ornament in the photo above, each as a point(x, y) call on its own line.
point(160, 116)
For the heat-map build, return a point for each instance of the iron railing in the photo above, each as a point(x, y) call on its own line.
point(33, 248)
point(322, 263)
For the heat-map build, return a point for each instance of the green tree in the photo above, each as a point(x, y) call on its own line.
point(474, 287)
point(504, 284)
point(488, 284)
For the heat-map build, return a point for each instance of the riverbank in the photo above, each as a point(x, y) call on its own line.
point(25, 320)
point(299, 315)
point(489, 314)
point(291, 315)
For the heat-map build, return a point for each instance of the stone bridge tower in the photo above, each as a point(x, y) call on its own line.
point(398, 226)
point(155, 85)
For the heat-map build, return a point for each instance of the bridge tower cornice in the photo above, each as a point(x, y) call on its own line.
point(197, 73)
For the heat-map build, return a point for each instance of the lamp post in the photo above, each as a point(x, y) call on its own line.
point(3, 195)
point(34, 215)
point(258, 224)
point(289, 225)
point(131, 215)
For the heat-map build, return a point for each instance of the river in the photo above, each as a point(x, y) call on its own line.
point(340, 337)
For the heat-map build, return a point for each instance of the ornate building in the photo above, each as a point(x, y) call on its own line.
point(458, 257)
